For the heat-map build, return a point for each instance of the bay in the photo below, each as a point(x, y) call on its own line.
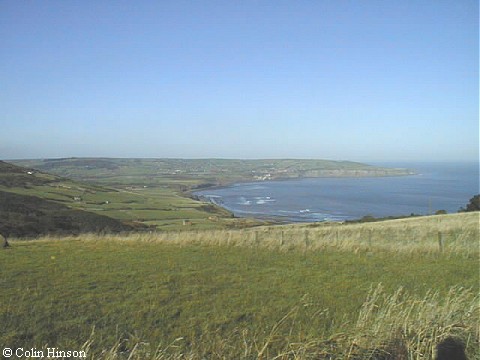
point(436, 186)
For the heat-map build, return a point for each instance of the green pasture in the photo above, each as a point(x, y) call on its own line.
point(151, 206)
point(210, 301)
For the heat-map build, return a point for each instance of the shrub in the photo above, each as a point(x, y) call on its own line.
point(473, 205)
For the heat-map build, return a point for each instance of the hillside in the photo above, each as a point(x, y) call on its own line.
point(12, 176)
point(186, 174)
point(28, 207)
point(31, 216)
point(376, 291)
point(142, 206)
point(448, 234)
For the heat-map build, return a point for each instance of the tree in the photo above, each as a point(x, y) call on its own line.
point(473, 205)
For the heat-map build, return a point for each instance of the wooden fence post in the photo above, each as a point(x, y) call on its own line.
point(440, 241)
point(255, 237)
point(306, 238)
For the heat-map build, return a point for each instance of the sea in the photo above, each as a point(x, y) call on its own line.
point(435, 186)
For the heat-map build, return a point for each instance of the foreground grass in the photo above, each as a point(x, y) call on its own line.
point(154, 296)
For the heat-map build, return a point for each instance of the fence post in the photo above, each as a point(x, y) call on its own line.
point(440, 241)
point(255, 237)
point(281, 238)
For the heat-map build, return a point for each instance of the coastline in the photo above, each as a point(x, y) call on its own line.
point(429, 189)
point(407, 172)
point(193, 194)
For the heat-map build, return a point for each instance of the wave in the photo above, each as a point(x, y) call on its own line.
point(261, 200)
point(243, 201)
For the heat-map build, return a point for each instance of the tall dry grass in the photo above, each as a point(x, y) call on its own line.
point(394, 325)
point(418, 325)
point(389, 326)
point(448, 234)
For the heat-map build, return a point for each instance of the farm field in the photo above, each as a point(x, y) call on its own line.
point(157, 207)
point(198, 173)
point(356, 291)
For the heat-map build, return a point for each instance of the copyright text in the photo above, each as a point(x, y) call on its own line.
point(48, 353)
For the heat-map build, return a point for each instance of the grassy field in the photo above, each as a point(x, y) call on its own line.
point(161, 207)
point(357, 291)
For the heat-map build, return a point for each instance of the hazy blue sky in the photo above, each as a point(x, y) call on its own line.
point(357, 80)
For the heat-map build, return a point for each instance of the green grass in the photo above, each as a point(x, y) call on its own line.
point(215, 296)
point(162, 205)
point(146, 205)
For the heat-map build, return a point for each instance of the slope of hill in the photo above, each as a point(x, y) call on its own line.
point(14, 176)
point(187, 173)
point(30, 216)
point(373, 291)
point(22, 214)
point(143, 206)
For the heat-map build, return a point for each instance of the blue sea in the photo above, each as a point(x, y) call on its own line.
point(435, 186)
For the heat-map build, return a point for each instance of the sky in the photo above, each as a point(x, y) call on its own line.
point(363, 80)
